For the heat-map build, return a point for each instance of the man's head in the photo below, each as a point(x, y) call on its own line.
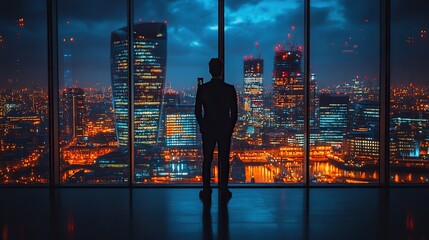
point(216, 67)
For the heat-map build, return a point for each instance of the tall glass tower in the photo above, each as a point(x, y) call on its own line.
point(288, 89)
point(150, 60)
point(333, 118)
point(253, 91)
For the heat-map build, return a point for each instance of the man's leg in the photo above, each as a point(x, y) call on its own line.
point(208, 149)
point(224, 146)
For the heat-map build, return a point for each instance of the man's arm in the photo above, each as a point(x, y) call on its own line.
point(199, 109)
point(234, 109)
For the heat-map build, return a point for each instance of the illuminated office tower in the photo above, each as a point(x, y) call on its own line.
point(73, 113)
point(150, 58)
point(288, 89)
point(180, 126)
point(253, 91)
point(67, 64)
point(314, 103)
point(363, 142)
point(333, 118)
point(357, 90)
point(361, 146)
point(366, 117)
point(406, 139)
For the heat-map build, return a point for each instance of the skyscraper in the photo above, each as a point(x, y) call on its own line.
point(73, 113)
point(333, 118)
point(150, 59)
point(366, 117)
point(288, 89)
point(253, 91)
point(314, 103)
point(67, 65)
point(180, 126)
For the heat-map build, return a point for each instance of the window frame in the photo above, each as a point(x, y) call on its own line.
point(384, 74)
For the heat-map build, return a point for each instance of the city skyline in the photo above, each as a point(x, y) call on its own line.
point(268, 141)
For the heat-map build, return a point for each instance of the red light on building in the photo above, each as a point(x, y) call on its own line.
point(21, 22)
point(293, 28)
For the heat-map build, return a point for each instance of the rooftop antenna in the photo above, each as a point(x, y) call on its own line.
point(258, 49)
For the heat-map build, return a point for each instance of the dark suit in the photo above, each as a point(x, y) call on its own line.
point(218, 101)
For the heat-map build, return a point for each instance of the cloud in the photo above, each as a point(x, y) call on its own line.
point(259, 13)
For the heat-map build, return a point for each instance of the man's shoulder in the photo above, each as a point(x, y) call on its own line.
point(229, 85)
point(231, 88)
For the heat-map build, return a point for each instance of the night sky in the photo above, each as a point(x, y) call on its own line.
point(344, 38)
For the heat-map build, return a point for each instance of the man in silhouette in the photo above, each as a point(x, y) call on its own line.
point(216, 112)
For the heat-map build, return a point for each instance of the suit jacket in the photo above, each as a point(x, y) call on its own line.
point(216, 107)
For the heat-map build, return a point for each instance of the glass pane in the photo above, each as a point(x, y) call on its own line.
point(93, 62)
point(173, 43)
point(264, 60)
point(344, 131)
point(409, 103)
point(24, 146)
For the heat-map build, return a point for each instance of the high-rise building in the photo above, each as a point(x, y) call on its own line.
point(73, 113)
point(314, 103)
point(67, 62)
point(150, 59)
point(253, 91)
point(366, 116)
point(288, 89)
point(357, 90)
point(333, 118)
point(180, 126)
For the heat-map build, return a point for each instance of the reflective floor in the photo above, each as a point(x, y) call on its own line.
point(168, 213)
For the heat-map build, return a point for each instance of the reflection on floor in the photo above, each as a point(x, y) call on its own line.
point(252, 213)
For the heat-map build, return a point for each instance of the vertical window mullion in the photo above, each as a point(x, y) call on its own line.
point(53, 95)
point(307, 92)
point(221, 32)
point(130, 15)
point(384, 92)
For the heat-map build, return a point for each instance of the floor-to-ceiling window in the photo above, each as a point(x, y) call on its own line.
point(24, 123)
point(93, 91)
point(264, 60)
point(409, 92)
point(344, 91)
point(173, 43)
